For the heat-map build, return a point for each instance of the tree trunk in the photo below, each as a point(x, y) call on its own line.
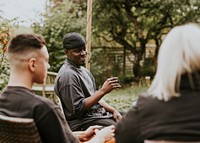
point(137, 68)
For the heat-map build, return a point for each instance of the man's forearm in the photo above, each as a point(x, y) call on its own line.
point(92, 100)
point(107, 107)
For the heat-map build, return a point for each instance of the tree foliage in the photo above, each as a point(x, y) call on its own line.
point(133, 24)
point(59, 19)
point(6, 30)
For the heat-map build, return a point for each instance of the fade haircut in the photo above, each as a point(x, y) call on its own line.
point(25, 42)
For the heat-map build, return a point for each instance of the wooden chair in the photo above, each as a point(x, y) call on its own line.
point(18, 130)
point(47, 89)
point(21, 130)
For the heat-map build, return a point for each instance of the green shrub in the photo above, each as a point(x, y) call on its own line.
point(123, 98)
point(148, 68)
point(4, 67)
point(101, 68)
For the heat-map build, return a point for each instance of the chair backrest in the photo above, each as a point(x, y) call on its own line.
point(18, 130)
point(47, 88)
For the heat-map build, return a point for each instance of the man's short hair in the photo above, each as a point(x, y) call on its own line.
point(24, 42)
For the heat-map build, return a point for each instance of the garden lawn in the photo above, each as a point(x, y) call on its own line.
point(123, 98)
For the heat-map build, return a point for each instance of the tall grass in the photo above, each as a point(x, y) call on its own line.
point(122, 99)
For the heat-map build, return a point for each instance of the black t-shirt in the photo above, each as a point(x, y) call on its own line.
point(51, 124)
point(175, 120)
point(153, 119)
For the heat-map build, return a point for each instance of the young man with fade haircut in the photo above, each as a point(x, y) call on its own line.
point(28, 58)
point(75, 86)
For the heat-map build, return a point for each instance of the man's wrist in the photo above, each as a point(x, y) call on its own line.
point(101, 92)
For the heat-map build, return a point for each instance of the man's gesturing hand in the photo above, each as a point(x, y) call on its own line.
point(110, 84)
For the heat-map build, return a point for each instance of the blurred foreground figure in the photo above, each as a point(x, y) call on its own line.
point(169, 110)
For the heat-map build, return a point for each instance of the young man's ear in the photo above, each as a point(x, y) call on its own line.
point(67, 52)
point(32, 64)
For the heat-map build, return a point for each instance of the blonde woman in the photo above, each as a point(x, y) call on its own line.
point(170, 109)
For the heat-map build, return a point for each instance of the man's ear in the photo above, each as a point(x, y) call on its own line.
point(32, 64)
point(66, 52)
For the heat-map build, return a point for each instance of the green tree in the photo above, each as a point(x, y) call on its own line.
point(133, 24)
point(59, 19)
point(6, 30)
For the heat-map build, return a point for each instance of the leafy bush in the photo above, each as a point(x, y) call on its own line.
point(148, 68)
point(60, 19)
point(123, 98)
point(6, 30)
point(104, 65)
point(4, 68)
point(101, 67)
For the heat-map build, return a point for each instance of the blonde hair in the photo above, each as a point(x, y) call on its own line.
point(179, 53)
